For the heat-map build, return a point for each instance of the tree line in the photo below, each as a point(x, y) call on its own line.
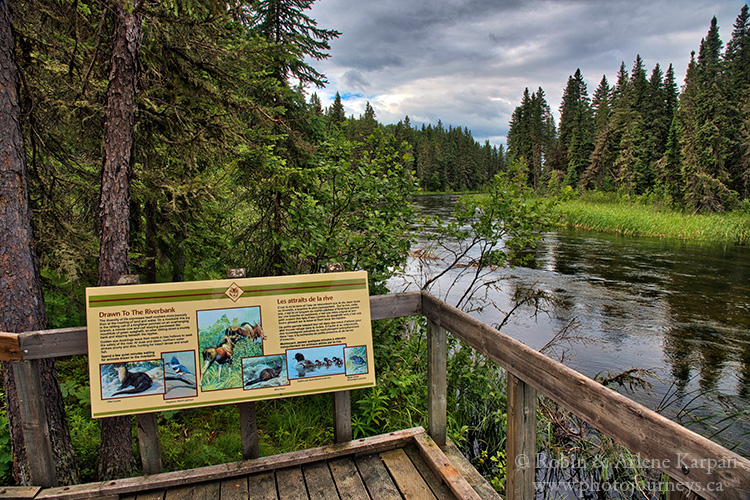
point(443, 159)
point(643, 136)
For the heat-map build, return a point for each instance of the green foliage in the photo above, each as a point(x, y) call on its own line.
point(635, 219)
point(489, 231)
point(354, 209)
point(199, 436)
point(6, 457)
point(84, 431)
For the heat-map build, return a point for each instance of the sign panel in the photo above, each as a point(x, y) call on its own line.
point(181, 345)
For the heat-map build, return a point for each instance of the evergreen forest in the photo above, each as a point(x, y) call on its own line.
point(642, 136)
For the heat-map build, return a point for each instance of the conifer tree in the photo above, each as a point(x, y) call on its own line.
point(712, 190)
point(531, 134)
point(20, 280)
point(336, 115)
point(601, 104)
point(297, 37)
point(736, 74)
point(669, 166)
point(576, 136)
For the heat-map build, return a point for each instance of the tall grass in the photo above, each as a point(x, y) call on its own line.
point(651, 220)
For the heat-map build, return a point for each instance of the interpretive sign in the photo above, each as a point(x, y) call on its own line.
point(181, 345)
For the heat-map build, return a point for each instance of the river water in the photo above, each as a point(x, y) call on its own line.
point(678, 309)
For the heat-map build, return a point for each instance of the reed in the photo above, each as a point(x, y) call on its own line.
point(655, 221)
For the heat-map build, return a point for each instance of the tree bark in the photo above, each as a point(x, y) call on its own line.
point(116, 455)
point(20, 283)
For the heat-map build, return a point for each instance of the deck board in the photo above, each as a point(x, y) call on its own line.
point(347, 478)
point(438, 487)
point(406, 476)
point(376, 478)
point(320, 485)
point(404, 465)
point(262, 486)
point(290, 483)
point(234, 489)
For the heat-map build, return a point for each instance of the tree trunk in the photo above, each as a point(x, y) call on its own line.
point(116, 453)
point(20, 283)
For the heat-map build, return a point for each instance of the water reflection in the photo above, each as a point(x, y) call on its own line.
point(680, 309)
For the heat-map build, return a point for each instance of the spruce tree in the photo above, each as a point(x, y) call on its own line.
point(736, 74)
point(601, 104)
point(576, 136)
point(297, 37)
point(336, 115)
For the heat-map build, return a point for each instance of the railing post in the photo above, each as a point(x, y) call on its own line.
point(437, 356)
point(146, 423)
point(521, 449)
point(248, 419)
point(34, 423)
point(342, 403)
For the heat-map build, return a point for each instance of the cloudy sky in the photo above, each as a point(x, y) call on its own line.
point(467, 62)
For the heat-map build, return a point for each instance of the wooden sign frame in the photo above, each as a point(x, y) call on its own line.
point(180, 345)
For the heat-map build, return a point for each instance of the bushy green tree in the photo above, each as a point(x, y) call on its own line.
point(531, 134)
point(576, 131)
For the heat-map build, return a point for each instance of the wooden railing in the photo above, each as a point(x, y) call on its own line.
point(692, 461)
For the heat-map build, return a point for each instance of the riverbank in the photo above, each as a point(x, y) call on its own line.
point(630, 219)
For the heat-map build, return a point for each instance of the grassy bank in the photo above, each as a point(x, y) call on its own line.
point(651, 220)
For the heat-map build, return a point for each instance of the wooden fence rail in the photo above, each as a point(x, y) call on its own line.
point(691, 460)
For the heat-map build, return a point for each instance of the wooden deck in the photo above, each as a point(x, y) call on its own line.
point(401, 465)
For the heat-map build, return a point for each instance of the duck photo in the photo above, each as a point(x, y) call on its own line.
point(315, 361)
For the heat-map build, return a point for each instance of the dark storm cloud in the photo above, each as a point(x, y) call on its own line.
point(467, 62)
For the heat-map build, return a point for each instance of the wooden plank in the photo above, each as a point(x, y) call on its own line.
point(395, 305)
point(262, 486)
point(347, 478)
point(53, 343)
point(376, 478)
point(374, 444)
point(148, 443)
point(10, 347)
point(521, 444)
point(151, 495)
point(472, 476)
point(676, 491)
point(342, 416)
point(290, 484)
point(234, 488)
point(437, 352)
point(34, 422)
point(436, 484)
point(443, 468)
point(19, 492)
point(669, 447)
point(406, 476)
point(319, 481)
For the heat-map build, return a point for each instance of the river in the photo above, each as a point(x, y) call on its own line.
point(679, 309)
